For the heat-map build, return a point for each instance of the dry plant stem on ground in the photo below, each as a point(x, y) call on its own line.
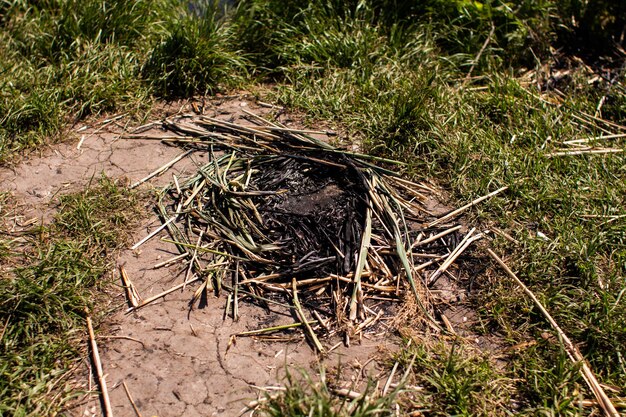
point(104, 391)
point(603, 400)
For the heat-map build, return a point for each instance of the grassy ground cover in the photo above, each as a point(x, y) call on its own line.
point(475, 95)
point(50, 274)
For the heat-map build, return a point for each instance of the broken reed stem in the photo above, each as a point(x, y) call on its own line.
point(103, 124)
point(171, 260)
point(467, 240)
point(131, 291)
point(162, 169)
point(95, 355)
point(300, 313)
point(589, 151)
point(435, 237)
point(236, 293)
point(160, 295)
point(300, 131)
point(154, 232)
point(603, 400)
point(273, 329)
point(188, 275)
point(130, 398)
point(465, 207)
point(353, 395)
point(357, 292)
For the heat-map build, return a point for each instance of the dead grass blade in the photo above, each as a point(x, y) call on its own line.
point(460, 210)
point(130, 398)
point(309, 330)
point(161, 170)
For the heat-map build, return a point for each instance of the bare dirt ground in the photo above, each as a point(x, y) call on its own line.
point(172, 360)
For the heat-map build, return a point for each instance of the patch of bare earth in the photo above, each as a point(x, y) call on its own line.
point(173, 360)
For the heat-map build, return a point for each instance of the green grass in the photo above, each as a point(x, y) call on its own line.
point(50, 275)
point(303, 396)
point(393, 75)
point(63, 60)
point(454, 380)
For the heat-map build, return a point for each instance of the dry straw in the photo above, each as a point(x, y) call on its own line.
point(298, 223)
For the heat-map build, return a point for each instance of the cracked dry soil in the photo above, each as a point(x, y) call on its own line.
point(174, 361)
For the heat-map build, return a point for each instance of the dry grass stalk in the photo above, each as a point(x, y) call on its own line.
point(479, 54)
point(153, 233)
point(102, 124)
point(131, 291)
point(595, 138)
point(171, 260)
point(95, 355)
point(353, 395)
point(435, 237)
point(161, 295)
point(460, 210)
point(130, 398)
point(603, 400)
point(161, 170)
point(132, 339)
point(309, 331)
point(619, 403)
point(273, 329)
point(604, 121)
point(390, 378)
point(467, 240)
point(584, 152)
point(357, 293)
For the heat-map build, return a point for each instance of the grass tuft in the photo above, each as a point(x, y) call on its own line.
point(48, 280)
point(196, 57)
point(303, 397)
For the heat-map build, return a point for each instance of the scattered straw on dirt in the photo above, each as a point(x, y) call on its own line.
point(281, 218)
